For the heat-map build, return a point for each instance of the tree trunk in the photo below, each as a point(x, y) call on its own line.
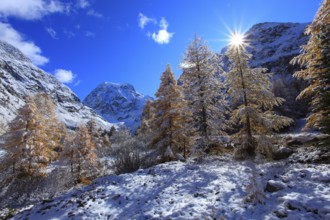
point(249, 146)
point(204, 128)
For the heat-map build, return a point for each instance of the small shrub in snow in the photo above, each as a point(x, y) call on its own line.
point(16, 191)
point(128, 152)
point(127, 160)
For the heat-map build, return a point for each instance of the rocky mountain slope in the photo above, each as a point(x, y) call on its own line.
point(273, 45)
point(20, 78)
point(117, 103)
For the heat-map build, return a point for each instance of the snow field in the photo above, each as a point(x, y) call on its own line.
point(215, 188)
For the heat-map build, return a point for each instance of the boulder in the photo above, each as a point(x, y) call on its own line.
point(274, 186)
point(282, 153)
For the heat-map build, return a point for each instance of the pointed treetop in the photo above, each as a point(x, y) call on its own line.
point(168, 68)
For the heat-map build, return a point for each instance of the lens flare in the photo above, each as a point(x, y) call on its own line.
point(236, 39)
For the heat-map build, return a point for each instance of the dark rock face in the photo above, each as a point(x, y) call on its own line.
point(282, 153)
point(281, 213)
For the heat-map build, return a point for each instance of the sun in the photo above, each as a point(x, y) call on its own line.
point(236, 39)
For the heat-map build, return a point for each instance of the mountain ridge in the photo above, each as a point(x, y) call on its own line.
point(20, 78)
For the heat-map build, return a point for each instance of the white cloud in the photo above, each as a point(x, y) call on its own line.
point(83, 4)
point(163, 24)
point(144, 20)
point(51, 32)
point(32, 51)
point(30, 9)
point(77, 83)
point(94, 13)
point(64, 76)
point(162, 36)
point(69, 34)
point(89, 34)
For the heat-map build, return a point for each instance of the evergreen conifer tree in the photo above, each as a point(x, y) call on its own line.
point(315, 58)
point(54, 131)
point(168, 114)
point(25, 141)
point(251, 93)
point(146, 130)
point(80, 153)
point(206, 103)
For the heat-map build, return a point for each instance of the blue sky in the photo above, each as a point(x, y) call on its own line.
point(87, 42)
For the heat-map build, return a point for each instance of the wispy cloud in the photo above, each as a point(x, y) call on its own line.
point(77, 83)
point(89, 34)
point(65, 76)
point(32, 51)
point(83, 3)
point(30, 9)
point(69, 34)
point(162, 36)
point(51, 32)
point(93, 13)
point(144, 20)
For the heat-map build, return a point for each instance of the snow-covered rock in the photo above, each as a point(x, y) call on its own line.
point(281, 152)
point(118, 103)
point(273, 44)
point(274, 186)
point(20, 78)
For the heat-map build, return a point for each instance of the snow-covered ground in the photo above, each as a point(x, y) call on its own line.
point(2, 153)
point(213, 189)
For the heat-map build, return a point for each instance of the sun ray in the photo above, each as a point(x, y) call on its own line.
point(237, 39)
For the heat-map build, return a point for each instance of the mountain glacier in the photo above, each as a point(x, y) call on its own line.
point(118, 103)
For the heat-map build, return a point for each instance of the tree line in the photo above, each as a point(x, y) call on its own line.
point(189, 115)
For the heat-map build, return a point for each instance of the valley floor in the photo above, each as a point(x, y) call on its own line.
point(216, 188)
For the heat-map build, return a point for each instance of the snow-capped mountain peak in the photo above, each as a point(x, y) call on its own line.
point(117, 103)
